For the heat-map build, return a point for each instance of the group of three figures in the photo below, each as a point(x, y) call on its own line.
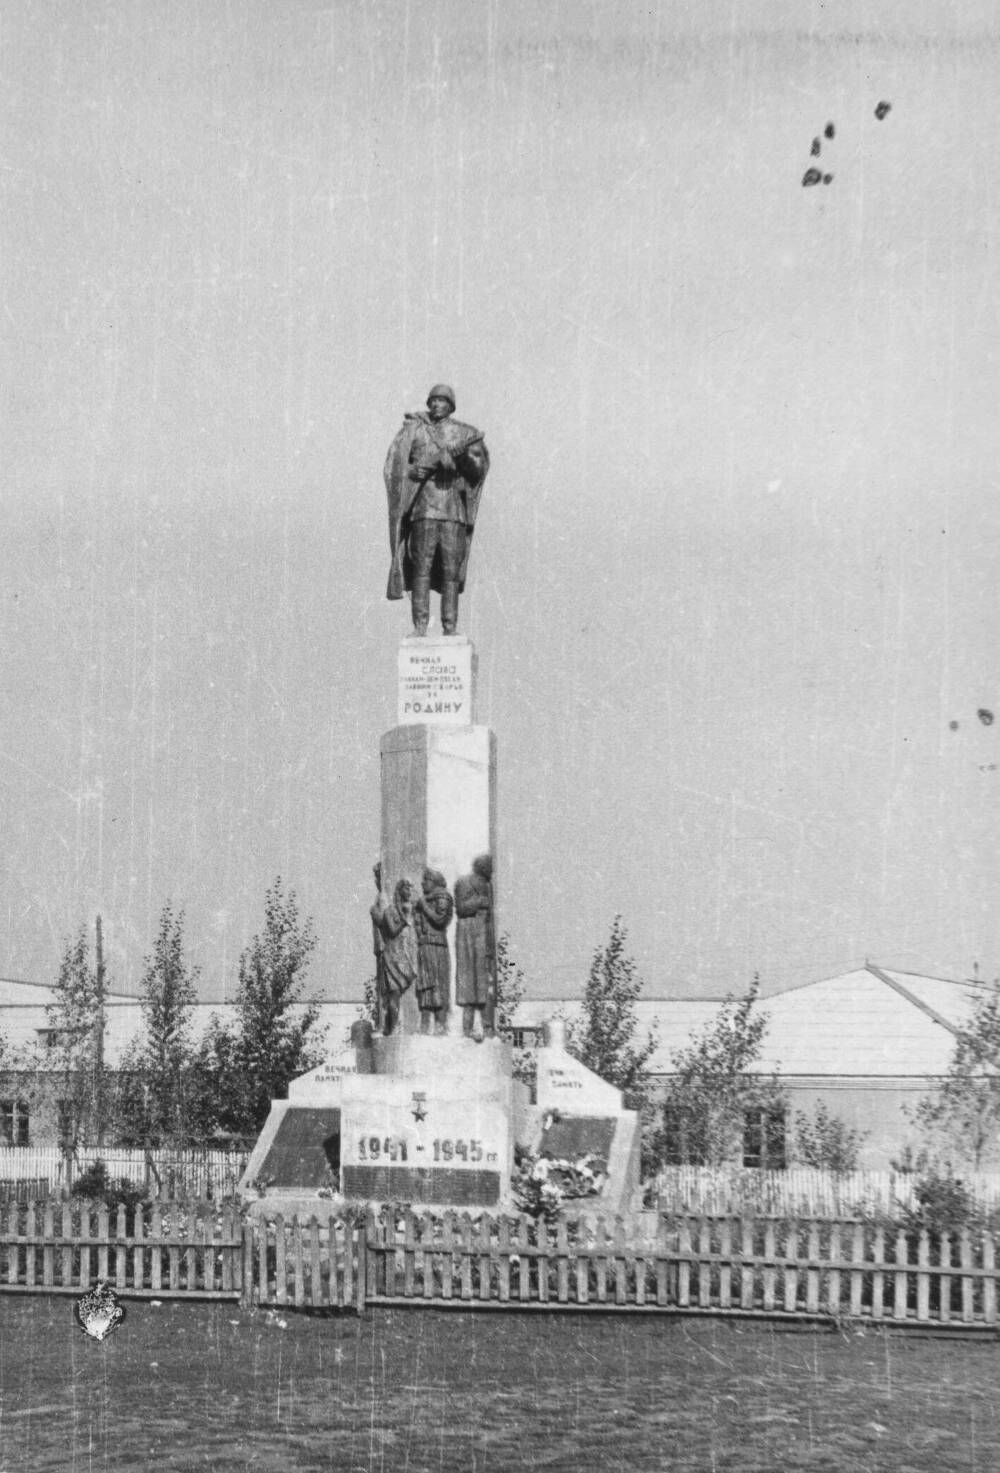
point(410, 938)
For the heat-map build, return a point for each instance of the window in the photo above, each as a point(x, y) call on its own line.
point(764, 1139)
point(13, 1123)
point(65, 1117)
point(682, 1145)
point(60, 1037)
point(524, 1037)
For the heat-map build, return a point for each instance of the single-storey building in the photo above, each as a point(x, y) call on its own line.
point(867, 1044)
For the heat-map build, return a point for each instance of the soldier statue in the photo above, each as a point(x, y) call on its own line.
point(434, 475)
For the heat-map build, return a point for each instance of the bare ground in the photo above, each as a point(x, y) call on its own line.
point(196, 1386)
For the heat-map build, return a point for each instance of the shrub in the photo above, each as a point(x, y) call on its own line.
point(826, 1141)
point(95, 1185)
point(943, 1205)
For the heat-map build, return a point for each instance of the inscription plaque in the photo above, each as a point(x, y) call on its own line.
point(423, 1184)
point(436, 682)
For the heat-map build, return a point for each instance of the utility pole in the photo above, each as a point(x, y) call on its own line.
point(99, 1040)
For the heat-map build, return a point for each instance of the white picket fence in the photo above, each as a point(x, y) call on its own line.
point(192, 1173)
point(801, 1191)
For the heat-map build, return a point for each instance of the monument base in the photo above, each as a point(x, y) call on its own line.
point(422, 1120)
point(433, 1122)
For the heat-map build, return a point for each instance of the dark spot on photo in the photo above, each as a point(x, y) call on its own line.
point(827, 178)
point(811, 176)
point(882, 109)
point(952, 725)
point(828, 131)
point(814, 151)
point(986, 717)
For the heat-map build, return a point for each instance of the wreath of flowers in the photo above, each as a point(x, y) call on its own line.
point(542, 1184)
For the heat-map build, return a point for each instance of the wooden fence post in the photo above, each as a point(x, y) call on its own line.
point(900, 1278)
point(789, 1275)
point(357, 1232)
point(968, 1284)
point(246, 1265)
point(944, 1278)
point(316, 1266)
point(280, 1281)
point(67, 1249)
point(621, 1263)
point(485, 1258)
point(371, 1255)
point(833, 1275)
point(857, 1274)
point(748, 1272)
point(726, 1267)
point(684, 1268)
point(666, 1273)
point(48, 1251)
point(989, 1282)
point(29, 1247)
point(923, 1277)
point(878, 1278)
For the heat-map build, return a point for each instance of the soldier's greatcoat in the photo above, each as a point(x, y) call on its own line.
point(417, 442)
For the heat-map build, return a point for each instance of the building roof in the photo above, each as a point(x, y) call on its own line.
point(870, 1022)
point(21, 1024)
point(14, 993)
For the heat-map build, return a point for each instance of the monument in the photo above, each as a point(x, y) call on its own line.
point(422, 1106)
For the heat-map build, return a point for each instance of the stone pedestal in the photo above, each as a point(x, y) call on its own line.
point(438, 775)
point(432, 1125)
point(438, 800)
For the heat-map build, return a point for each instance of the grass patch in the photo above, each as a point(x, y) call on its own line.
point(196, 1386)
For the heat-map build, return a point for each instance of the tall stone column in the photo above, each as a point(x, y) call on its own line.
point(438, 774)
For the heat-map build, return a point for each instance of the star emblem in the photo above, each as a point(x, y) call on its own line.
point(419, 1102)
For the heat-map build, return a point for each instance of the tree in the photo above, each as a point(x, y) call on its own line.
point(961, 1119)
point(240, 1067)
point(827, 1142)
point(511, 988)
point(245, 1067)
point(155, 1089)
point(606, 1037)
point(73, 1060)
point(714, 1105)
point(220, 1086)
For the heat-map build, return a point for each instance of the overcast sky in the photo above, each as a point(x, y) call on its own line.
point(734, 583)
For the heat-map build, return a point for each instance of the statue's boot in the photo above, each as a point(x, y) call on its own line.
point(420, 604)
point(449, 607)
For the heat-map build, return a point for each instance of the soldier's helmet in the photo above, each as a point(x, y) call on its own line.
point(442, 391)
